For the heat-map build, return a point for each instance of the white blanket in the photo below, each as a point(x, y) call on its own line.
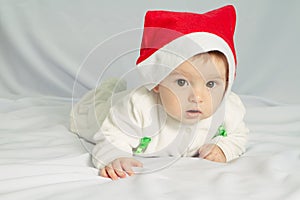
point(41, 159)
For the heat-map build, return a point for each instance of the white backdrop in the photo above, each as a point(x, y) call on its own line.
point(45, 43)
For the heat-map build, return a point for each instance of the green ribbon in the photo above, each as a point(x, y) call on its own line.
point(141, 148)
point(222, 131)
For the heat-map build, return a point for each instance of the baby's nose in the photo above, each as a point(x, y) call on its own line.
point(197, 96)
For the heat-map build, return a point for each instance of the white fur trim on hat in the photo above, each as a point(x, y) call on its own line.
point(161, 63)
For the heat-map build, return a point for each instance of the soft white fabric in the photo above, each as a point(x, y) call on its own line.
point(140, 114)
point(87, 115)
point(41, 159)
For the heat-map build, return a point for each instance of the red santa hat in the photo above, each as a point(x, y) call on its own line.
point(170, 38)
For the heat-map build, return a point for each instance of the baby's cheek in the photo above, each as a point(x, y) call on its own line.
point(173, 107)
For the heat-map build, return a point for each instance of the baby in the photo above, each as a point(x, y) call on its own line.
point(185, 106)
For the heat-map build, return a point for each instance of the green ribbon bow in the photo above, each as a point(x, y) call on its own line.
point(222, 131)
point(141, 148)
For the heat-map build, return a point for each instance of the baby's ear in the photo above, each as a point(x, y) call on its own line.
point(156, 89)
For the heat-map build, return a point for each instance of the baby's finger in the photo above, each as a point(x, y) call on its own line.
point(111, 172)
point(210, 157)
point(204, 151)
point(118, 169)
point(127, 168)
point(136, 163)
point(103, 173)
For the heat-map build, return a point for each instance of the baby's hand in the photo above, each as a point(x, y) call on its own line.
point(212, 152)
point(119, 168)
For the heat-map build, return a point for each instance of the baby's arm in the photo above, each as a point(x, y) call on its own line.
point(118, 135)
point(234, 144)
point(112, 154)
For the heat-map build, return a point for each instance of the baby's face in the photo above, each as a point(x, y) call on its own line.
point(194, 90)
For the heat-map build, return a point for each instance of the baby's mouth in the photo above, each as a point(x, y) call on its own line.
point(193, 113)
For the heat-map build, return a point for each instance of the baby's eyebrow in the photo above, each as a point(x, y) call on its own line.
point(181, 73)
point(215, 76)
point(209, 76)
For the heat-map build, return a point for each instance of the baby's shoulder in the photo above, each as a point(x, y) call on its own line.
point(233, 100)
point(142, 97)
point(234, 105)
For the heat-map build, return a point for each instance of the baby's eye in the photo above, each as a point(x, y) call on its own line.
point(182, 82)
point(210, 84)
